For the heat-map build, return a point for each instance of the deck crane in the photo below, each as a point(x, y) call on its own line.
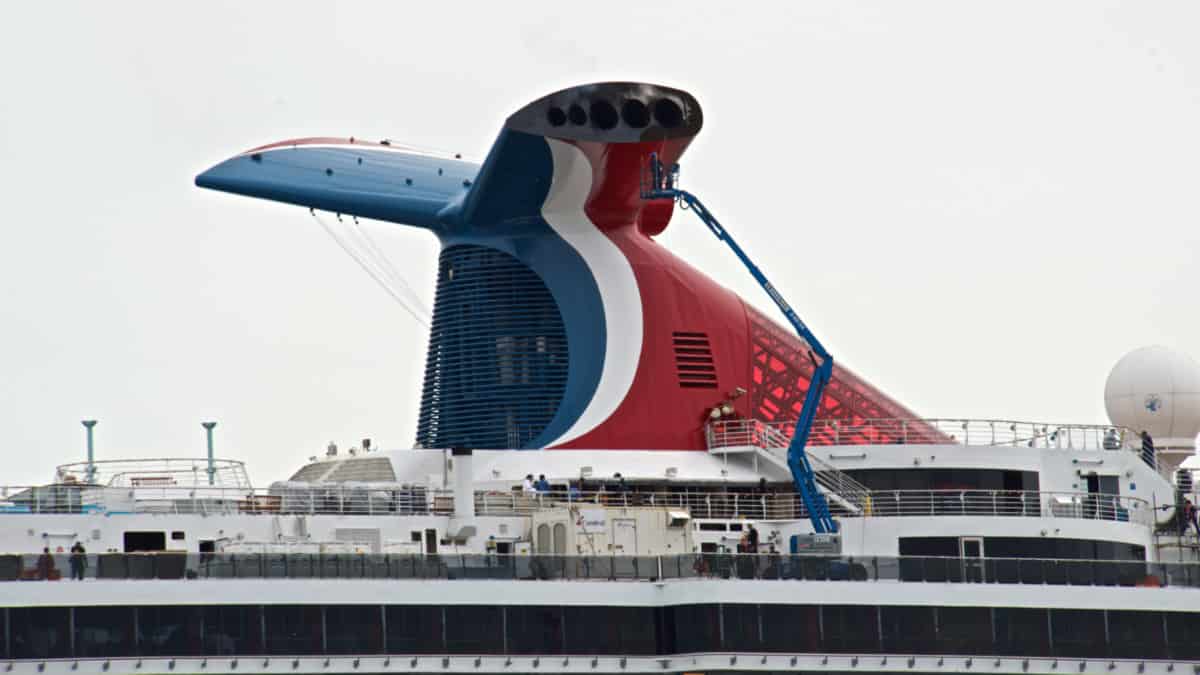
point(662, 185)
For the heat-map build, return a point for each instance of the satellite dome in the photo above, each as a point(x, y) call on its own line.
point(1156, 389)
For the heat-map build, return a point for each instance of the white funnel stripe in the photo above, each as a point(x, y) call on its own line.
point(619, 295)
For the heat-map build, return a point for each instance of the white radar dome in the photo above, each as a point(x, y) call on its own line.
point(1156, 389)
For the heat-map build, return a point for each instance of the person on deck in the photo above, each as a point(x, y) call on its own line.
point(78, 561)
point(1189, 517)
point(45, 564)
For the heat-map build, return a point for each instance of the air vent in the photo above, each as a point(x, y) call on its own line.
point(694, 361)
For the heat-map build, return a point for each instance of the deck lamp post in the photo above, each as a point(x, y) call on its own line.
point(91, 463)
point(212, 469)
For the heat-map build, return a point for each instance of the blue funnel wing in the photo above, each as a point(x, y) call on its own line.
point(352, 177)
point(511, 186)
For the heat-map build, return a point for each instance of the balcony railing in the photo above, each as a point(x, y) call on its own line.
point(394, 499)
point(719, 566)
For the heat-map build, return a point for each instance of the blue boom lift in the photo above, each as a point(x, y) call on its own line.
point(662, 185)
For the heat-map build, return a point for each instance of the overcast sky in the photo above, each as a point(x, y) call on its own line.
point(978, 207)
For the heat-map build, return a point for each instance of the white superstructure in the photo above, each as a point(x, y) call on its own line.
point(1033, 547)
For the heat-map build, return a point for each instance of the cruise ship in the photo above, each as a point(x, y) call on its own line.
point(620, 466)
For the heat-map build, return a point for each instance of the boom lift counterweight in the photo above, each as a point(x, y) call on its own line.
point(662, 185)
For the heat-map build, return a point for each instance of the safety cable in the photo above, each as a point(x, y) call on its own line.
point(418, 313)
point(385, 265)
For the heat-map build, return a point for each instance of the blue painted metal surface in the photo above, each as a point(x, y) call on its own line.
point(663, 186)
point(497, 365)
point(366, 181)
point(496, 205)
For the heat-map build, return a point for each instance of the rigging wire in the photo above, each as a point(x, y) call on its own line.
point(417, 312)
point(385, 265)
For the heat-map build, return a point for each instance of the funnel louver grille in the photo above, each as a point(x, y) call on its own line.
point(497, 364)
point(694, 360)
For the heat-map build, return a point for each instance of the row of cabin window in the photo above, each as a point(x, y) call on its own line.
point(92, 632)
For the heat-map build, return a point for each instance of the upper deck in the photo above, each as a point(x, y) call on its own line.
point(708, 485)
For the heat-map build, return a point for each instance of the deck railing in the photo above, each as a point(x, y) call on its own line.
point(388, 499)
point(876, 503)
point(966, 432)
point(159, 471)
point(537, 567)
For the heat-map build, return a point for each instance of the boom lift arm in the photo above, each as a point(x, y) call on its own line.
point(663, 186)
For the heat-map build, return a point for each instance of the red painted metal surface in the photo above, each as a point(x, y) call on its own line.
point(748, 350)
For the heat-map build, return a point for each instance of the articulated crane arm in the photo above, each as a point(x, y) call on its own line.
point(663, 186)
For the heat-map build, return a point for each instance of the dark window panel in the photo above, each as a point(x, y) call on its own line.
point(474, 629)
point(850, 628)
point(697, 628)
point(612, 630)
point(293, 629)
point(665, 622)
point(235, 629)
point(170, 630)
point(353, 629)
point(636, 630)
point(908, 630)
point(946, 479)
point(930, 546)
point(964, 630)
point(1078, 632)
point(104, 631)
point(791, 628)
point(1183, 635)
point(1022, 632)
point(414, 630)
point(534, 630)
point(1070, 549)
point(741, 628)
point(39, 632)
point(1136, 635)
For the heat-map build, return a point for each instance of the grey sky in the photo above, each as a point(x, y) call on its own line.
point(978, 207)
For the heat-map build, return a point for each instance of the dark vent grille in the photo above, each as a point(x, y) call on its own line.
point(497, 364)
point(694, 361)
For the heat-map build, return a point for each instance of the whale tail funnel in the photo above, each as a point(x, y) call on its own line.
point(559, 321)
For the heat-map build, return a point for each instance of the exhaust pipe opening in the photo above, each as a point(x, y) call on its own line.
point(604, 115)
point(667, 113)
point(576, 114)
point(635, 113)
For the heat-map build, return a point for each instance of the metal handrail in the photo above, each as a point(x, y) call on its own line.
point(173, 471)
point(844, 490)
point(966, 432)
point(938, 431)
point(398, 499)
point(770, 566)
